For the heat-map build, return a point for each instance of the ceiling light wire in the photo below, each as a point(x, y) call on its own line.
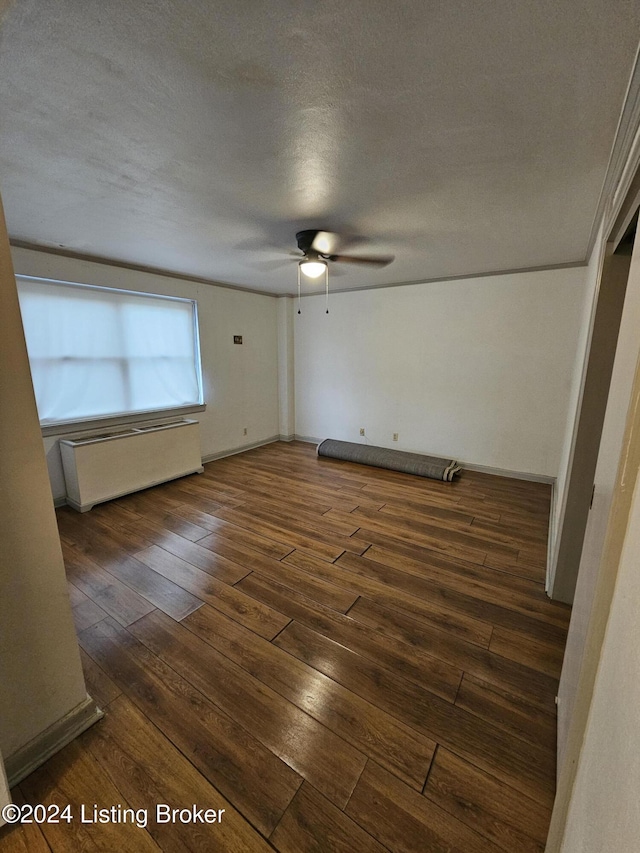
point(326, 284)
point(326, 287)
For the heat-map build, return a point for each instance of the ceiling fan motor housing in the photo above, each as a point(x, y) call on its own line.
point(316, 244)
point(305, 239)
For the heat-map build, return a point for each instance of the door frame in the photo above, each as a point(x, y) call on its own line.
point(564, 562)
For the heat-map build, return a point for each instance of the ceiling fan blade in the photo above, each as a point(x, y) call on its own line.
point(326, 242)
point(372, 260)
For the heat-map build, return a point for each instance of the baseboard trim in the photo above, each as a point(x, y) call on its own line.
point(505, 472)
point(30, 756)
point(481, 469)
point(308, 439)
point(211, 457)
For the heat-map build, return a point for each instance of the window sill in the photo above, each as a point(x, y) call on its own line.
point(71, 427)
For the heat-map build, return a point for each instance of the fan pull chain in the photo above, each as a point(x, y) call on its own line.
point(299, 312)
point(326, 288)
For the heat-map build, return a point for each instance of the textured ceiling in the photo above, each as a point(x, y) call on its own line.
point(198, 137)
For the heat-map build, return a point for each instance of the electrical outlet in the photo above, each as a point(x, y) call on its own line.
point(395, 436)
point(244, 431)
point(361, 430)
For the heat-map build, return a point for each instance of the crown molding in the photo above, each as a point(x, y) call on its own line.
point(445, 278)
point(97, 259)
point(110, 262)
point(623, 162)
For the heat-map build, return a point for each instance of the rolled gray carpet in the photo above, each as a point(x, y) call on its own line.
point(394, 460)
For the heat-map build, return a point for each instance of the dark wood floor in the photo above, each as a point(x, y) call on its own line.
point(343, 658)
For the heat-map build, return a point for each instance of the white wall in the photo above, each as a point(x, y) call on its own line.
point(240, 382)
point(41, 680)
point(477, 369)
point(604, 814)
point(480, 369)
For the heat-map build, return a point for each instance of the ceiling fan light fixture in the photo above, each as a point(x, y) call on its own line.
point(313, 269)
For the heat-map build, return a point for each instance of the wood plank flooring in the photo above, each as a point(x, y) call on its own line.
point(342, 658)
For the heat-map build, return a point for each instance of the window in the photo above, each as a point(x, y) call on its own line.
point(97, 352)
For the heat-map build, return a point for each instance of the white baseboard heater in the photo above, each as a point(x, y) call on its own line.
point(101, 467)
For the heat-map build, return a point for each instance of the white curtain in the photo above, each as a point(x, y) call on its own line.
point(96, 352)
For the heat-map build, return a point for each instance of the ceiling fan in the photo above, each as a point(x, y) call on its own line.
point(320, 247)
